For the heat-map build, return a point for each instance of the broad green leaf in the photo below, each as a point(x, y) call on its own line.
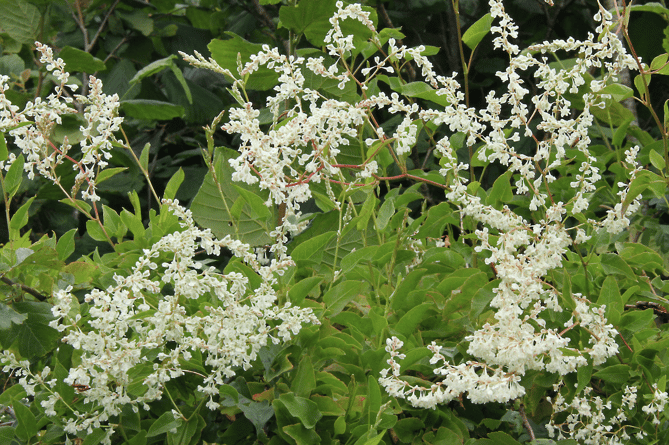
point(311, 250)
point(27, 423)
point(304, 381)
point(173, 185)
point(614, 264)
point(636, 320)
point(258, 413)
point(301, 435)
point(304, 409)
point(9, 316)
point(65, 246)
point(164, 424)
point(137, 19)
point(659, 64)
point(95, 231)
point(386, 211)
point(657, 160)
point(77, 204)
point(475, 33)
point(212, 207)
point(617, 91)
point(34, 336)
point(310, 17)
point(410, 321)
point(501, 192)
point(188, 433)
point(299, 290)
point(20, 20)
point(610, 295)
point(355, 257)
point(144, 157)
point(501, 438)
point(153, 68)
point(640, 85)
point(225, 53)
point(417, 89)
point(112, 222)
point(108, 173)
point(617, 374)
point(151, 109)
point(80, 61)
point(94, 437)
point(14, 177)
point(19, 220)
point(340, 295)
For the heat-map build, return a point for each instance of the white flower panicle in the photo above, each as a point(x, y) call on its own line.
point(149, 310)
point(33, 127)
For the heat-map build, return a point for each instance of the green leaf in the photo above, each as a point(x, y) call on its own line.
point(304, 409)
point(80, 61)
point(19, 220)
point(301, 435)
point(94, 437)
point(165, 423)
point(108, 173)
point(14, 177)
point(137, 19)
point(501, 192)
point(386, 212)
point(501, 438)
point(299, 290)
point(4, 153)
point(310, 17)
point(9, 316)
point(311, 250)
point(410, 321)
point(188, 433)
point(95, 231)
point(229, 390)
point(144, 157)
point(340, 425)
point(225, 53)
point(616, 374)
point(20, 20)
point(27, 424)
point(65, 246)
point(35, 337)
point(151, 109)
point(339, 296)
point(304, 381)
point(258, 413)
point(617, 91)
point(212, 207)
point(640, 85)
point(613, 264)
point(112, 222)
point(657, 160)
point(473, 36)
point(610, 295)
point(174, 183)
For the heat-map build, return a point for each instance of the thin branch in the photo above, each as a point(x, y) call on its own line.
point(526, 423)
point(26, 289)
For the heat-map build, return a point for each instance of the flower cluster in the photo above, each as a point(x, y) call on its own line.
point(32, 127)
point(146, 324)
point(587, 420)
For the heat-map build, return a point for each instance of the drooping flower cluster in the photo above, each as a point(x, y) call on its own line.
point(146, 324)
point(587, 420)
point(32, 128)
